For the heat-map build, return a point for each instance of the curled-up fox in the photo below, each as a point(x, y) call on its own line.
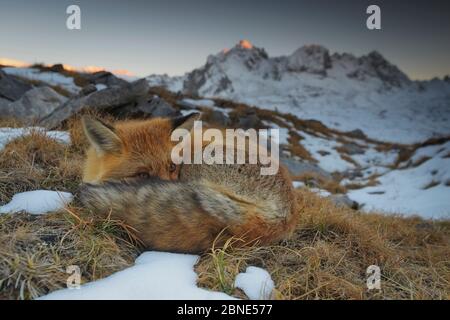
point(129, 174)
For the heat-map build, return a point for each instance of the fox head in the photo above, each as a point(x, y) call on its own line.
point(132, 149)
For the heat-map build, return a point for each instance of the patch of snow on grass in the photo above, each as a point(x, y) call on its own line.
point(256, 283)
point(320, 192)
point(283, 135)
point(298, 184)
point(422, 189)
point(205, 103)
point(52, 78)
point(37, 202)
point(155, 276)
point(323, 151)
point(200, 103)
point(9, 134)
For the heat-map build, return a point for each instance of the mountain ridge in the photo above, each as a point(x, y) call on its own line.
point(315, 84)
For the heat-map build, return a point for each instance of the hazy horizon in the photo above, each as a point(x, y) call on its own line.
point(155, 37)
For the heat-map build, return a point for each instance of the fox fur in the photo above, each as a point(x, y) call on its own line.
point(129, 174)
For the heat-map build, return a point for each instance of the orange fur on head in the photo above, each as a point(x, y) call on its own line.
point(139, 148)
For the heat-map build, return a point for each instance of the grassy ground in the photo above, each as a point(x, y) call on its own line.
point(326, 258)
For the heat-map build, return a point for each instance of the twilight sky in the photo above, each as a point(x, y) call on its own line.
point(168, 36)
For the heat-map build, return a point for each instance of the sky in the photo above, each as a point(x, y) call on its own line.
point(173, 37)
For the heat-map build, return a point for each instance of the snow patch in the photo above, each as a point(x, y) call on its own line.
point(256, 283)
point(9, 134)
point(37, 202)
point(155, 276)
point(422, 189)
point(323, 150)
point(52, 78)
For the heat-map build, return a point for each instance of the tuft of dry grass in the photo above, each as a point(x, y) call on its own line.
point(36, 161)
point(35, 251)
point(315, 180)
point(297, 149)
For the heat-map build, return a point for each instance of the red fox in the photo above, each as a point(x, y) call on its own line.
point(129, 174)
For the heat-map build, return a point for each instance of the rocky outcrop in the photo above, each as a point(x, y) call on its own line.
point(34, 105)
point(312, 59)
point(299, 167)
point(147, 107)
point(106, 78)
point(12, 88)
point(105, 100)
point(374, 65)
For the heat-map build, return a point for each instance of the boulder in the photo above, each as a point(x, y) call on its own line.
point(88, 89)
point(106, 78)
point(219, 118)
point(34, 105)
point(4, 102)
point(109, 99)
point(249, 120)
point(58, 67)
point(352, 149)
point(12, 88)
point(157, 107)
point(147, 107)
point(357, 133)
point(298, 167)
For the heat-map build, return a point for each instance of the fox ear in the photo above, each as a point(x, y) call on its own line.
point(101, 136)
point(185, 122)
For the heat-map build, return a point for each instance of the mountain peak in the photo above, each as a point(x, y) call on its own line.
point(245, 44)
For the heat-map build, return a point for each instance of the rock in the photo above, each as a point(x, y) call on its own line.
point(88, 89)
point(341, 200)
point(106, 78)
point(106, 100)
point(4, 105)
point(158, 107)
point(153, 107)
point(219, 118)
point(249, 120)
point(352, 149)
point(58, 67)
point(312, 59)
point(298, 167)
point(12, 88)
point(357, 133)
point(34, 105)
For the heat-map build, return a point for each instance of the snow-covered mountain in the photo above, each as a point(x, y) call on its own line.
point(341, 90)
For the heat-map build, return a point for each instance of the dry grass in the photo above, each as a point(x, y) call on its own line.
point(315, 180)
point(38, 162)
point(78, 78)
point(326, 258)
point(329, 253)
point(297, 149)
point(36, 250)
point(406, 152)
